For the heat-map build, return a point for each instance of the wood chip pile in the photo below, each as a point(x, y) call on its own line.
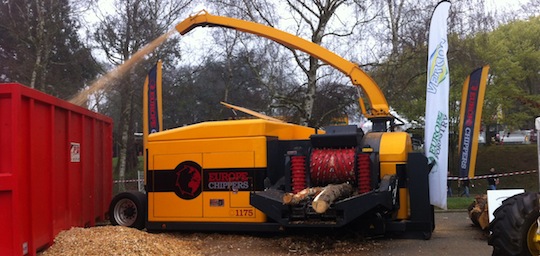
point(117, 240)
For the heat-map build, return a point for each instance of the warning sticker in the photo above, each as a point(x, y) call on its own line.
point(75, 152)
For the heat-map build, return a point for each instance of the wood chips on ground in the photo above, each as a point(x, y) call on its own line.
point(118, 240)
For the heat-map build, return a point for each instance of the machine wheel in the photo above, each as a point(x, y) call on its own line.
point(514, 228)
point(128, 209)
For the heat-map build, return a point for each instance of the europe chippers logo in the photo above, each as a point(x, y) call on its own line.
point(188, 180)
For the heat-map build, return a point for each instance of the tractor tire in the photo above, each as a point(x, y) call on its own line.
point(514, 226)
point(128, 209)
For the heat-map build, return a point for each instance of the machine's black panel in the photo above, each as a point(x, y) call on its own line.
point(422, 219)
point(342, 212)
point(418, 184)
point(167, 180)
point(338, 136)
point(277, 159)
point(372, 140)
point(401, 172)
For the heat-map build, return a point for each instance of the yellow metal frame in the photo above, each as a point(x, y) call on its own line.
point(394, 149)
point(226, 153)
point(379, 105)
point(225, 145)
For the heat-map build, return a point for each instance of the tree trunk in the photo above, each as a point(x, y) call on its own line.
point(293, 199)
point(309, 101)
point(331, 193)
point(478, 212)
point(122, 156)
point(39, 42)
point(124, 139)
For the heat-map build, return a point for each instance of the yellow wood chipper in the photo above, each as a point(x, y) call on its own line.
point(235, 174)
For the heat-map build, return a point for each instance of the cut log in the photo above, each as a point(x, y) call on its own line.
point(478, 212)
point(291, 198)
point(329, 194)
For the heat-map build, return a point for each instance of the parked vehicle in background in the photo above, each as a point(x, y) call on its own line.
point(506, 137)
point(514, 137)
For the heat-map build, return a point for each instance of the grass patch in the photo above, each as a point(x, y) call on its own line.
point(506, 159)
point(455, 203)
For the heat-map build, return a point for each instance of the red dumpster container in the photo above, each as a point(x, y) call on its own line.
point(55, 168)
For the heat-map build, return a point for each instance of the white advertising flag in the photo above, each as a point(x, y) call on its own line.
point(437, 93)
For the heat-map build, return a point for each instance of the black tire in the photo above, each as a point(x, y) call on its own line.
point(514, 226)
point(128, 209)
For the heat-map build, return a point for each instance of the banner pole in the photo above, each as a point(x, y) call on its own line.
point(537, 124)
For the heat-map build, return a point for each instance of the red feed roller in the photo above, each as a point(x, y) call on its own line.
point(298, 173)
point(364, 178)
point(332, 166)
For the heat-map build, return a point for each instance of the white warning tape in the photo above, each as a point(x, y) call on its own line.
point(127, 181)
point(494, 175)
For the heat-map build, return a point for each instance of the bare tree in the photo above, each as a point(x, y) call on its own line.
point(134, 24)
point(531, 8)
point(320, 22)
